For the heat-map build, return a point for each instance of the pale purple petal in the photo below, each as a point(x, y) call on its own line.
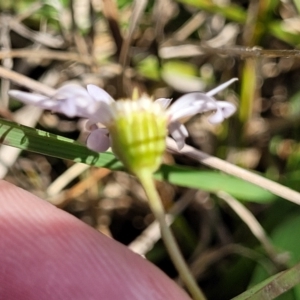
point(74, 100)
point(78, 93)
point(178, 133)
point(103, 114)
point(203, 102)
point(183, 102)
point(34, 99)
point(183, 113)
point(71, 100)
point(85, 104)
point(225, 110)
point(228, 108)
point(192, 104)
point(164, 102)
point(216, 117)
point(221, 87)
point(68, 108)
point(91, 125)
point(99, 94)
point(98, 140)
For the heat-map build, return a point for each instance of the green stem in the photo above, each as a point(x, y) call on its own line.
point(167, 235)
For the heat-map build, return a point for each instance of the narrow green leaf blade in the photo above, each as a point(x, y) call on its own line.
point(232, 12)
point(213, 181)
point(39, 141)
point(273, 286)
point(34, 140)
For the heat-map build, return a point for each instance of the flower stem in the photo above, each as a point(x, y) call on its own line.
point(167, 235)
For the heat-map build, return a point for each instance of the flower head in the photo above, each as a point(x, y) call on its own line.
point(136, 129)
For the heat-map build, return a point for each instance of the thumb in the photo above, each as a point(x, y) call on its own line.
point(47, 254)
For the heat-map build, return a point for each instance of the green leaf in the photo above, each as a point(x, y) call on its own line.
point(279, 30)
point(231, 12)
point(213, 181)
point(294, 105)
point(182, 76)
point(35, 140)
point(149, 68)
point(297, 4)
point(273, 286)
point(286, 238)
point(180, 67)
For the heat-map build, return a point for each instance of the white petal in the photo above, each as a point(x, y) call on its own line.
point(164, 102)
point(178, 133)
point(221, 87)
point(98, 140)
point(99, 94)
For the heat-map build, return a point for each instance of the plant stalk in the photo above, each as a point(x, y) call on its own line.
point(168, 237)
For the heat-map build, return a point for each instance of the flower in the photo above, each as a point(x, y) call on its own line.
point(111, 121)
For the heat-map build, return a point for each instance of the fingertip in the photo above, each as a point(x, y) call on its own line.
point(46, 253)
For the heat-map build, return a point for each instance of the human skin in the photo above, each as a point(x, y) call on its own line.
point(46, 253)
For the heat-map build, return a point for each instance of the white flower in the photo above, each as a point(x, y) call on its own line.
point(101, 109)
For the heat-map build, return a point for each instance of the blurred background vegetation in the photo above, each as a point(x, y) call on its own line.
point(167, 48)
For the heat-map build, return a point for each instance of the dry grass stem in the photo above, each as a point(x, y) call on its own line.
point(47, 54)
point(254, 226)
point(146, 240)
point(226, 167)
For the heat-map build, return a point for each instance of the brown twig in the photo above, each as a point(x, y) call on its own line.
point(110, 12)
point(5, 44)
point(64, 197)
point(189, 50)
point(39, 37)
point(26, 82)
point(46, 54)
point(124, 59)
